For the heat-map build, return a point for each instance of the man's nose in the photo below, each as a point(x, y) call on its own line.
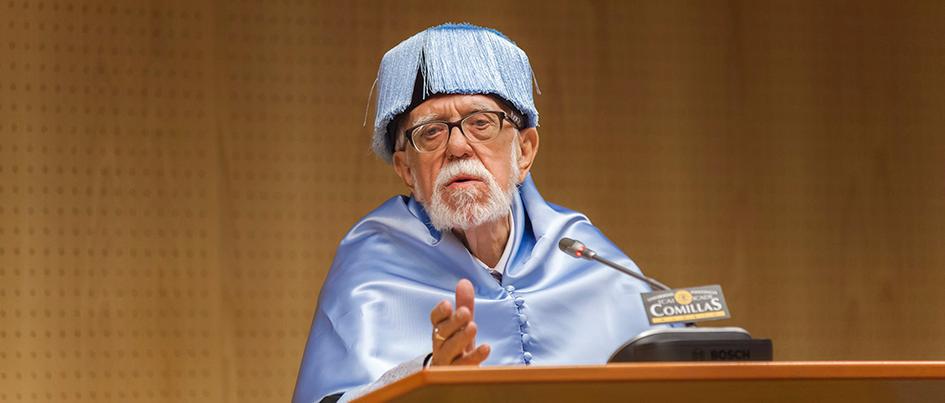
point(458, 147)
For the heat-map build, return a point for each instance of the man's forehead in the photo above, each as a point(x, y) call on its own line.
point(442, 106)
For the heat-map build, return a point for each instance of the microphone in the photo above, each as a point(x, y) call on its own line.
point(577, 249)
point(689, 343)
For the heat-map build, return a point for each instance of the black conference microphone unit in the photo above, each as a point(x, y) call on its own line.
point(689, 343)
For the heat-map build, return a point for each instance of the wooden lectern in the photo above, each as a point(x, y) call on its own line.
point(808, 382)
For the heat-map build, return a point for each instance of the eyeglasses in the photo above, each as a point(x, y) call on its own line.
point(477, 127)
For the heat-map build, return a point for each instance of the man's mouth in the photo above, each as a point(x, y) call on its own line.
point(463, 180)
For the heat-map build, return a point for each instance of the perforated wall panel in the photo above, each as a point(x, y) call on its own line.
point(175, 175)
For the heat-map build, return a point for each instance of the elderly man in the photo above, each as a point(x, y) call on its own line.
point(466, 270)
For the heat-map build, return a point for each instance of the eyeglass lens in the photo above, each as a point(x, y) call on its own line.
point(477, 128)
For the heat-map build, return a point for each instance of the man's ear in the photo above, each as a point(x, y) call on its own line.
point(528, 145)
point(403, 168)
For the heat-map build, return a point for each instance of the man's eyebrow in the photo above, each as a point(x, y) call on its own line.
point(478, 107)
point(424, 119)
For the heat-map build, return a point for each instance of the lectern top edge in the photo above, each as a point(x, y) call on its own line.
point(787, 370)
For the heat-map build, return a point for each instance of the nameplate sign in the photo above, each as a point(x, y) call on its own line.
point(680, 305)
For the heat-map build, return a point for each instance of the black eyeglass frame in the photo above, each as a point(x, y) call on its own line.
point(459, 123)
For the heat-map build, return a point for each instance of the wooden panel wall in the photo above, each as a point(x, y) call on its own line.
point(175, 175)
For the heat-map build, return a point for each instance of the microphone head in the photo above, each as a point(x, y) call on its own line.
point(572, 247)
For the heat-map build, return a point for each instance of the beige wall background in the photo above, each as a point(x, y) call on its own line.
point(175, 175)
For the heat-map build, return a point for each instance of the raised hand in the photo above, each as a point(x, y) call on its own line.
point(454, 332)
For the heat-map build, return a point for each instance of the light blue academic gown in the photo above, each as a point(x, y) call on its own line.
point(392, 268)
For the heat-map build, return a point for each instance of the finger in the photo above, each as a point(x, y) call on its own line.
point(457, 321)
point(441, 312)
point(466, 297)
point(476, 357)
point(453, 347)
point(447, 328)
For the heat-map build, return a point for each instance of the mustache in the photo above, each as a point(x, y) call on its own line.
point(468, 167)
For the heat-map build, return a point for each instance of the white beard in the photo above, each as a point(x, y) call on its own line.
point(473, 206)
